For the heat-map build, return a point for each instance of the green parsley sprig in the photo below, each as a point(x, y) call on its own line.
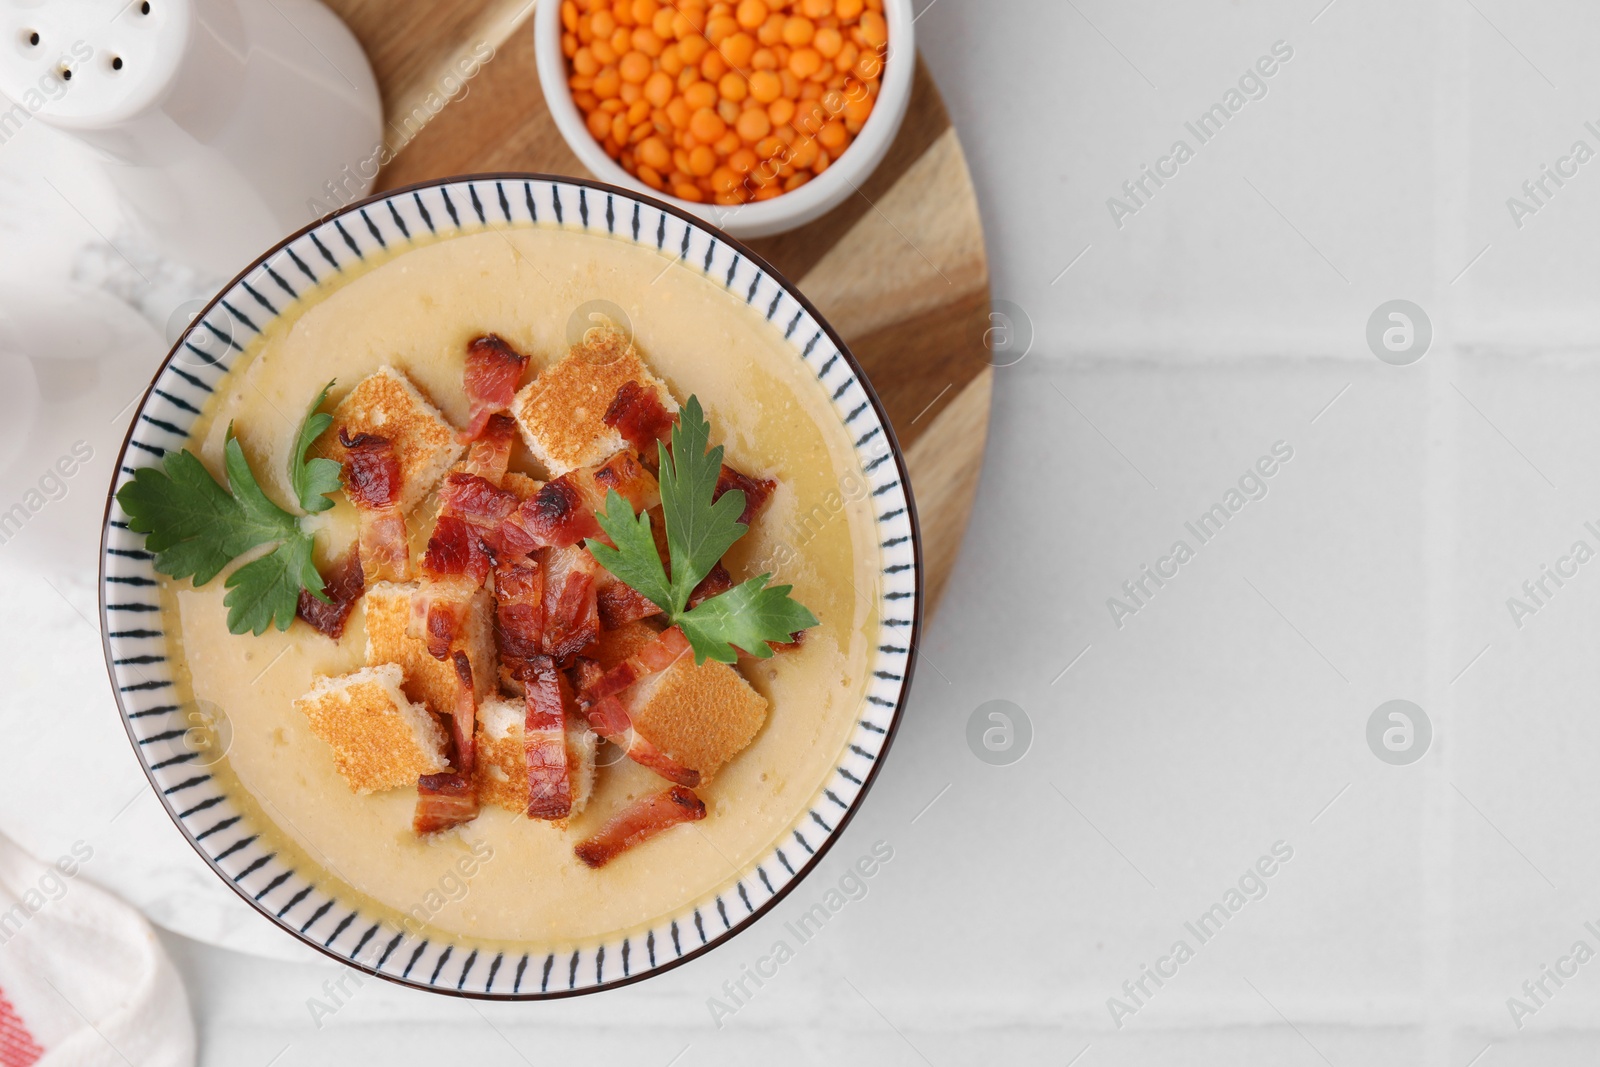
point(196, 526)
point(699, 531)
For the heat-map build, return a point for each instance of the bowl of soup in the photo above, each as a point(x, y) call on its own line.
point(418, 766)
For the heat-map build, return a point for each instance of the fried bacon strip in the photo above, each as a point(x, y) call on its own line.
point(668, 648)
point(716, 583)
point(439, 611)
point(490, 379)
point(476, 500)
point(638, 823)
point(545, 739)
point(609, 718)
point(605, 701)
point(449, 799)
point(464, 716)
point(585, 672)
point(756, 490)
point(571, 611)
point(638, 414)
point(457, 562)
point(344, 586)
point(619, 603)
point(371, 477)
point(519, 611)
point(490, 455)
point(455, 550)
point(562, 513)
point(443, 801)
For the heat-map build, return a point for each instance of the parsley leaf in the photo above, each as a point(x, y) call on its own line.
point(746, 616)
point(699, 530)
point(635, 559)
point(192, 524)
point(266, 591)
point(313, 479)
point(196, 526)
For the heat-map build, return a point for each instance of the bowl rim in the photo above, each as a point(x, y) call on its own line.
point(762, 218)
point(913, 640)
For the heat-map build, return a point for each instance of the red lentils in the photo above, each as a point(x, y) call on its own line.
point(725, 101)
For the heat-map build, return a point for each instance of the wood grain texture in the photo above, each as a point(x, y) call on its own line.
point(899, 268)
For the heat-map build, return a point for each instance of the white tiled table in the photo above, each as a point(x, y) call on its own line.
point(1230, 712)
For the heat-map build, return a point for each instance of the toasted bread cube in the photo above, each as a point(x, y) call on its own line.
point(561, 413)
point(380, 739)
point(702, 716)
point(386, 404)
point(502, 770)
point(431, 681)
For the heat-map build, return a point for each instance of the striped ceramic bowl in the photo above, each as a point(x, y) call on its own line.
point(309, 904)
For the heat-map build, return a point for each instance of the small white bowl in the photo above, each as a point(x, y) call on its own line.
point(789, 211)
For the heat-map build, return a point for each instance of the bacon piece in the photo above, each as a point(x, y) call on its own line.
point(562, 513)
point(716, 583)
point(443, 801)
point(490, 378)
point(455, 550)
point(344, 586)
point(638, 414)
point(604, 701)
point(519, 610)
point(476, 500)
point(371, 472)
point(668, 648)
point(572, 616)
point(464, 717)
point(796, 639)
point(544, 734)
point(609, 718)
point(439, 610)
point(585, 672)
point(490, 455)
point(450, 799)
point(619, 603)
point(457, 561)
point(371, 477)
point(471, 507)
point(756, 490)
point(638, 823)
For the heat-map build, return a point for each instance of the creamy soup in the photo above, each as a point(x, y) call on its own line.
point(505, 878)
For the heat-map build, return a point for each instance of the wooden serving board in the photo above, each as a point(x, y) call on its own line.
point(899, 270)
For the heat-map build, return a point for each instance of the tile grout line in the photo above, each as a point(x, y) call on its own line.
point(1440, 805)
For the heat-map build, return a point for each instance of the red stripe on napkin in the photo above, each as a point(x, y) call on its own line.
point(17, 1047)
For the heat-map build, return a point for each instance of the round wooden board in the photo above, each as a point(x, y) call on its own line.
point(899, 270)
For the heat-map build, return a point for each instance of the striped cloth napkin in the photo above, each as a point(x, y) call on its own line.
point(83, 980)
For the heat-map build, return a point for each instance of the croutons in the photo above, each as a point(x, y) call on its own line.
point(380, 739)
point(385, 403)
point(701, 716)
point(502, 770)
point(388, 607)
point(562, 412)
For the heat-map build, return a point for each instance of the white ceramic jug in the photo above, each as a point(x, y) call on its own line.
point(222, 123)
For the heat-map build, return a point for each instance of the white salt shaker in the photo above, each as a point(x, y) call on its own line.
point(224, 124)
